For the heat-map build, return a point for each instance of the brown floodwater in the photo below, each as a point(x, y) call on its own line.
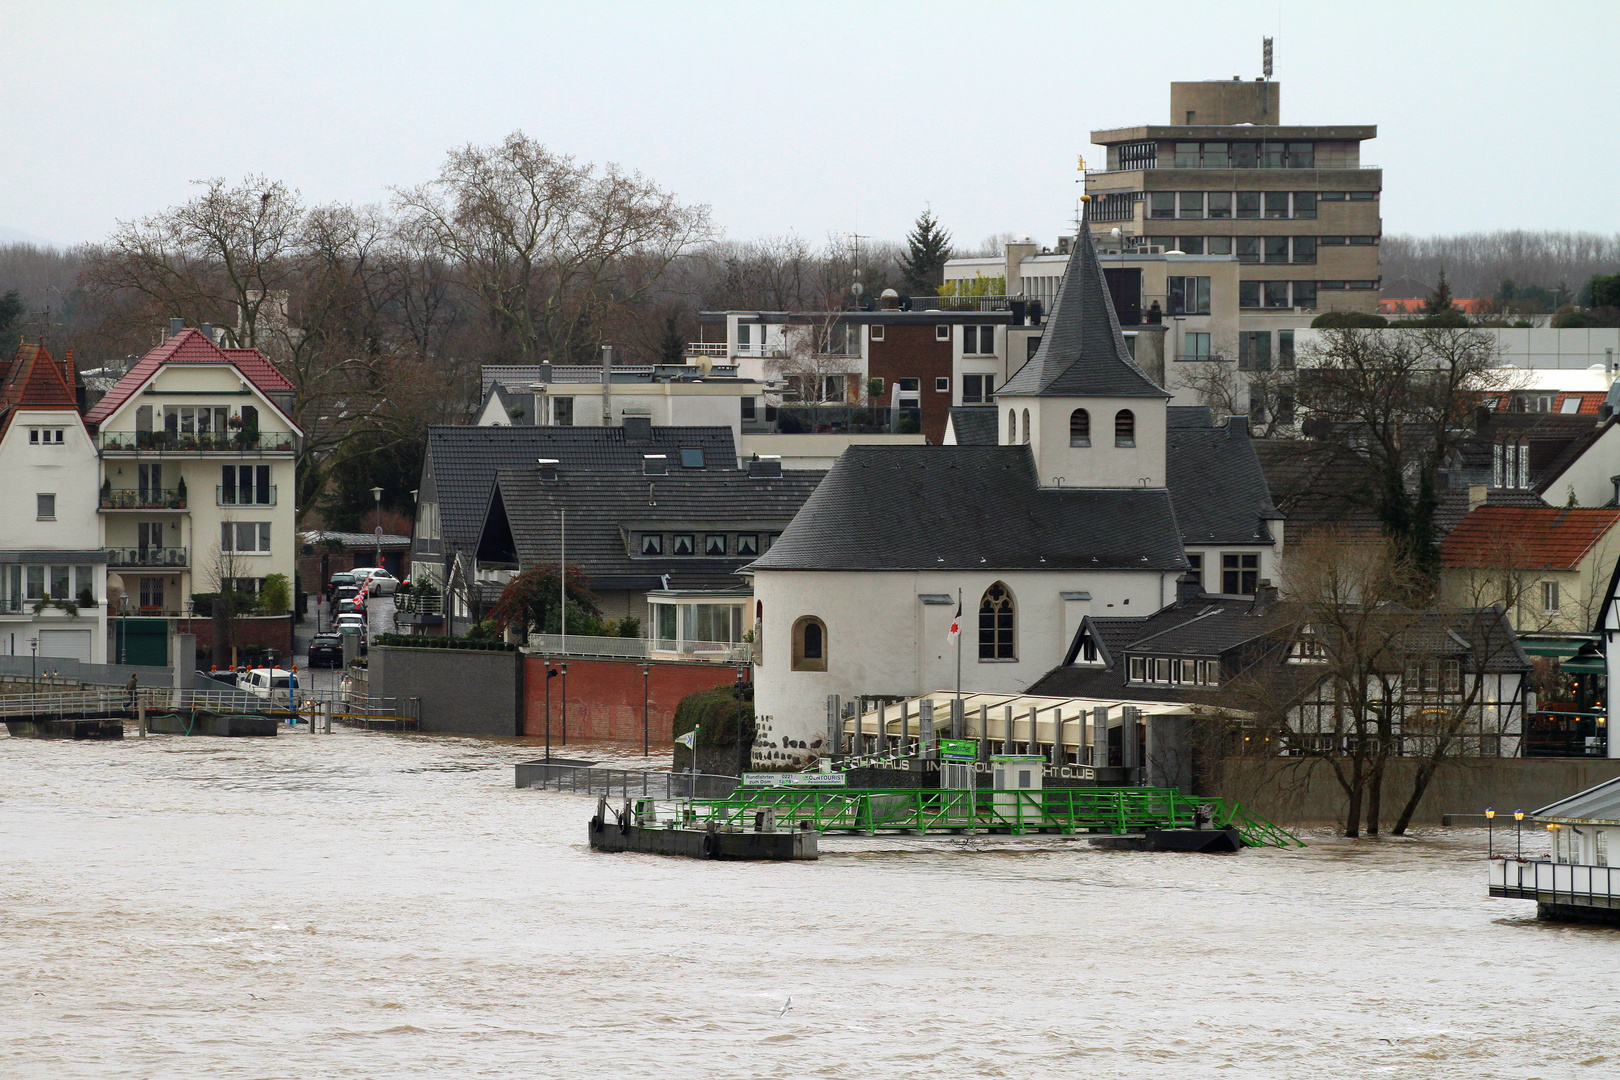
point(385, 905)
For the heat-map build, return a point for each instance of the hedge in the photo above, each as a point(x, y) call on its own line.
point(717, 714)
point(413, 641)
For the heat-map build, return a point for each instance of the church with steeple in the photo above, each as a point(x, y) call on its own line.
point(1068, 517)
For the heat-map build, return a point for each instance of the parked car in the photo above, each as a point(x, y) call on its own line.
point(358, 622)
point(326, 650)
point(267, 682)
point(382, 582)
point(340, 580)
point(344, 599)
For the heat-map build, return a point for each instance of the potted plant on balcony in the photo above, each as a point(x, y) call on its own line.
point(178, 502)
point(106, 493)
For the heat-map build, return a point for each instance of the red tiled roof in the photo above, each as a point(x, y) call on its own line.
point(1540, 538)
point(1590, 402)
point(35, 378)
point(190, 346)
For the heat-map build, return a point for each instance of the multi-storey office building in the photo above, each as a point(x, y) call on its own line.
point(1294, 206)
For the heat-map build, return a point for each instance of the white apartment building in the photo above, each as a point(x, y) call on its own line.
point(197, 474)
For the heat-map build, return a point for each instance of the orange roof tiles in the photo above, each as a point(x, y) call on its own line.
point(191, 346)
point(1541, 538)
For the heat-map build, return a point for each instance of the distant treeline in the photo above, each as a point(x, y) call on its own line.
point(1476, 264)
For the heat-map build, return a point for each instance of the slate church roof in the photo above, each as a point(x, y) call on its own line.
point(1215, 480)
point(971, 507)
point(1082, 351)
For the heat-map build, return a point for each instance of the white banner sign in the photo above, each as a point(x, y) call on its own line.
point(801, 779)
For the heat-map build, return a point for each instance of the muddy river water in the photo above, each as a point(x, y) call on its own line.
point(385, 905)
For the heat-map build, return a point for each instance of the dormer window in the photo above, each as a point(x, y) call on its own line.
point(45, 436)
point(714, 544)
point(682, 545)
point(652, 544)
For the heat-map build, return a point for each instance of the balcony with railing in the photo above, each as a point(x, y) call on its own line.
point(244, 496)
point(143, 499)
point(831, 419)
point(222, 442)
point(717, 652)
point(705, 348)
point(168, 557)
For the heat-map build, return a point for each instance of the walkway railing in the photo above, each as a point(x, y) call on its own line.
point(1063, 810)
point(623, 783)
point(720, 652)
point(1555, 883)
point(118, 701)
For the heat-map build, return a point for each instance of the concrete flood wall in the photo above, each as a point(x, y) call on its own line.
point(463, 691)
point(1303, 791)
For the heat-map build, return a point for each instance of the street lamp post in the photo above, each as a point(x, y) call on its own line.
point(376, 494)
point(646, 698)
point(33, 677)
point(1490, 835)
point(1518, 828)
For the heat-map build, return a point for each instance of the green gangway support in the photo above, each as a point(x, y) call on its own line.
point(926, 810)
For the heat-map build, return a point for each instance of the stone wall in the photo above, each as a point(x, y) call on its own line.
point(1302, 791)
point(463, 691)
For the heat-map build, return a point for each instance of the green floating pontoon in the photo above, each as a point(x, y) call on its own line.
point(1109, 811)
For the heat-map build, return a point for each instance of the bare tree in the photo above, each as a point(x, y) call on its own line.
point(1265, 397)
point(549, 246)
point(1400, 402)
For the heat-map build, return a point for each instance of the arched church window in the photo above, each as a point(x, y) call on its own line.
point(1124, 428)
point(1026, 425)
point(1012, 427)
point(997, 624)
point(809, 644)
point(1080, 428)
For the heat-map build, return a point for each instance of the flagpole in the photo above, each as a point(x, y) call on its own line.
point(958, 644)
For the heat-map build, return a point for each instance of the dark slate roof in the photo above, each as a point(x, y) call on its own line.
point(1208, 628)
point(605, 508)
point(1082, 351)
point(971, 507)
point(1189, 416)
point(975, 425)
point(464, 460)
point(1216, 483)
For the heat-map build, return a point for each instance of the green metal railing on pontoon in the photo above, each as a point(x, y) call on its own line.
point(1062, 810)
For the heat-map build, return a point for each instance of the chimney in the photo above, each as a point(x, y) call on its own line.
point(766, 467)
point(1477, 497)
point(1017, 307)
point(1237, 427)
point(1265, 597)
point(175, 326)
point(1615, 480)
point(548, 468)
point(208, 331)
point(638, 429)
point(655, 464)
point(1188, 590)
point(607, 386)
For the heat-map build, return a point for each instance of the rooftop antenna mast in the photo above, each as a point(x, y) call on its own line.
point(1265, 58)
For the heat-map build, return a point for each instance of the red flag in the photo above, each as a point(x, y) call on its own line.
point(956, 623)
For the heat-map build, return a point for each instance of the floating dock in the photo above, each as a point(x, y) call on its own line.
point(613, 830)
point(206, 722)
point(52, 728)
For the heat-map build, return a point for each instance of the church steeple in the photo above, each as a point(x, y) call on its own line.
point(1082, 352)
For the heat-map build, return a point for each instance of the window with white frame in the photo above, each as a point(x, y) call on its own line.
point(45, 506)
point(977, 389)
point(245, 537)
point(1549, 597)
point(942, 384)
point(45, 436)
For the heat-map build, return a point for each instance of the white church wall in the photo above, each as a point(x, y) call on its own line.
point(881, 639)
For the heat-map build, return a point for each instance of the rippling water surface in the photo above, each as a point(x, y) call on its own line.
point(384, 905)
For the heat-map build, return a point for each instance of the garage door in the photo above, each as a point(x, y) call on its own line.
point(65, 643)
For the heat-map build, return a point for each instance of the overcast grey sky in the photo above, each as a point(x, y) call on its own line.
point(802, 117)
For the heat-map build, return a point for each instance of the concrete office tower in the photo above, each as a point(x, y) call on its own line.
point(1294, 205)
